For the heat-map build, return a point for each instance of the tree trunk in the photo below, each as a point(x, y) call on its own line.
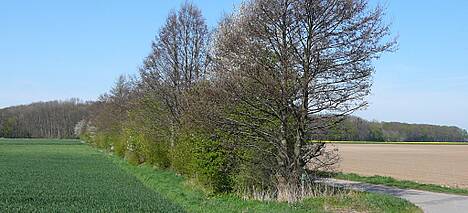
point(291, 168)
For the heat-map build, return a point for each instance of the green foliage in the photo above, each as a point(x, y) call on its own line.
point(146, 132)
point(120, 147)
point(211, 164)
point(253, 173)
point(68, 176)
point(157, 153)
point(7, 127)
point(137, 148)
point(132, 157)
point(134, 146)
point(182, 156)
point(104, 140)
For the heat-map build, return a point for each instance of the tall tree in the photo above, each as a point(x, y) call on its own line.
point(178, 60)
point(111, 110)
point(287, 69)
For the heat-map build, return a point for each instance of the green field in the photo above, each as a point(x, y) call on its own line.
point(69, 176)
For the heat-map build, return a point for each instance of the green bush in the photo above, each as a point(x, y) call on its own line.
point(157, 153)
point(203, 159)
point(254, 176)
point(143, 148)
point(105, 140)
point(120, 146)
point(212, 164)
point(182, 156)
point(133, 143)
point(132, 157)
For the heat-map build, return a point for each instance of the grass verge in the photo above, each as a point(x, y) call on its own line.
point(177, 190)
point(402, 184)
point(393, 142)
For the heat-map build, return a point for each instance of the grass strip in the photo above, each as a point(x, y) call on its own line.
point(177, 190)
point(402, 184)
point(393, 142)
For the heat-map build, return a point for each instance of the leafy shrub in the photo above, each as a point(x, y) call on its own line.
point(145, 148)
point(157, 153)
point(132, 157)
point(254, 176)
point(211, 164)
point(182, 156)
point(119, 146)
point(105, 140)
point(199, 157)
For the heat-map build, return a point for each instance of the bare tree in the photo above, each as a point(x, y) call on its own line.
point(111, 109)
point(178, 59)
point(287, 69)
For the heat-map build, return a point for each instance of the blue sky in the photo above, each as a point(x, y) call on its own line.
point(61, 49)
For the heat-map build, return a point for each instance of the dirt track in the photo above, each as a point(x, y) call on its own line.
point(439, 164)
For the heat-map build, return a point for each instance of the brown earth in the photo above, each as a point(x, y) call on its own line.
point(437, 164)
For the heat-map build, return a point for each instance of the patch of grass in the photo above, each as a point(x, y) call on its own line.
point(176, 189)
point(403, 184)
point(363, 202)
point(392, 142)
point(67, 176)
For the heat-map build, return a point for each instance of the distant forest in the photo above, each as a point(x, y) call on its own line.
point(57, 119)
point(54, 119)
point(358, 129)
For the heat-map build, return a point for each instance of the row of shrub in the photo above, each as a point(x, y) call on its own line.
point(200, 157)
point(140, 132)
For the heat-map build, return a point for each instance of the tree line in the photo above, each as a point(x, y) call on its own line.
point(54, 119)
point(235, 107)
point(59, 119)
point(357, 129)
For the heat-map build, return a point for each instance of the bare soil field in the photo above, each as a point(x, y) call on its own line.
point(437, 164)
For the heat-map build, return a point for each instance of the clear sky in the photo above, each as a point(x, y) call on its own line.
point(61, 49)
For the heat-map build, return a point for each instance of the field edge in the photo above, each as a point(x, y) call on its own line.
point(177, 189)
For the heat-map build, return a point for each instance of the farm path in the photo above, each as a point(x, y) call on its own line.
point(429, 202)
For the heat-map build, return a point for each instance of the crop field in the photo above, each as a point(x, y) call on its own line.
point(435, 164)
point(67, 176)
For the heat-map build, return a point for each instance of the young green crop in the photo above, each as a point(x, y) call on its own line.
point(67, 176)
